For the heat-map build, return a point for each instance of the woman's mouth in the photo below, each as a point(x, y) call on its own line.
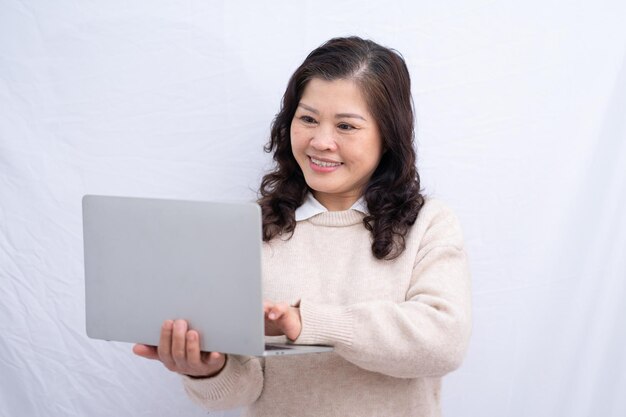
point(324, 164)
point(318, 165)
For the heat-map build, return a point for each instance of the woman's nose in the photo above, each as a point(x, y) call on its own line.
point(323, 140)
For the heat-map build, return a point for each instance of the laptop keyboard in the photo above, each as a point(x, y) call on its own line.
point(272, 347)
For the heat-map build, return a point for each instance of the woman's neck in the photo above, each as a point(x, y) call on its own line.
point(334, 202)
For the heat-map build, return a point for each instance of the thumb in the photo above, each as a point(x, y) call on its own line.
point(145, 351)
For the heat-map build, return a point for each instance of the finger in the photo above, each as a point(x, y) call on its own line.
point(146, 351)
point(202, 363)
point(271, 328)
point(290, 322)
point(278, 311)
point(267, 306)
point(194, 355)
point(165, 345)
point(179, 338)
point(215, 358)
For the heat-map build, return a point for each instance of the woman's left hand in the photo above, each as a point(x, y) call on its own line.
point(282, 319)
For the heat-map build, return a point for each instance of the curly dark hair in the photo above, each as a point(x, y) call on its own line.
point(392, 194)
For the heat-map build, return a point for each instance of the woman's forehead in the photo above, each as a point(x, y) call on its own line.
point(336, 96)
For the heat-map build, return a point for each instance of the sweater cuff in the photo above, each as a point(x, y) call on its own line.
point(324, 324)
point(218, 386)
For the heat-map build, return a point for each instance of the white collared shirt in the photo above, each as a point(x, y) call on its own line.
point(311, 207)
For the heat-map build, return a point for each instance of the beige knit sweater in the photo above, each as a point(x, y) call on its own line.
point(397, 326)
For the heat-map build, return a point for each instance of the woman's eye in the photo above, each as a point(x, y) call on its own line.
point(307, 119)
point(345, 126)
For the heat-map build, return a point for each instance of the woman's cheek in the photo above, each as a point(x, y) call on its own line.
point(298, 138)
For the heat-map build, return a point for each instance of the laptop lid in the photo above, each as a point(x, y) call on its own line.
point(148, 260)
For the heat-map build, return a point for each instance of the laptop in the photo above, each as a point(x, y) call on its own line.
point(148, 260)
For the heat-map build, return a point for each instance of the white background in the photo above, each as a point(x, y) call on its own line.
point(521, 128)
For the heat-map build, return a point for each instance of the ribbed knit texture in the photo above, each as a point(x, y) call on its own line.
point(397, 326)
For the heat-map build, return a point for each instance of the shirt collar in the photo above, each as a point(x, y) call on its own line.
point(311, 207)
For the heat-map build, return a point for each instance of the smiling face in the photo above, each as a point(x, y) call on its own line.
point(335, 141)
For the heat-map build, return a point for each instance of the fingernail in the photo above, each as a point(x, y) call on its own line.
point(272, 316)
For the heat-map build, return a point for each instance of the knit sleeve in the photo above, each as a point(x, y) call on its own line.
point(424, 336)
point(239, 384)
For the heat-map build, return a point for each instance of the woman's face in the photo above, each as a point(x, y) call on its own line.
point(336, 141)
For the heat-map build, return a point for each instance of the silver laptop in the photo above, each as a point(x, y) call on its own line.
point(148, 260)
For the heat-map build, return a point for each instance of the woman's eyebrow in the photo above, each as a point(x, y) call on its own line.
point(337, 116)
point(309, 108)
point(350, 115)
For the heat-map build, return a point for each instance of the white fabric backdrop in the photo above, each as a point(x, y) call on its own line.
point(521, 129)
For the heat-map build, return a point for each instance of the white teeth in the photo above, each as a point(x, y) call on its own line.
point(324, 163)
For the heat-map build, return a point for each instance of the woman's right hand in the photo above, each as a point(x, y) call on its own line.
point(179, 351)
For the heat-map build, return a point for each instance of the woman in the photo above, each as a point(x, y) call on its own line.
point(354, 257)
